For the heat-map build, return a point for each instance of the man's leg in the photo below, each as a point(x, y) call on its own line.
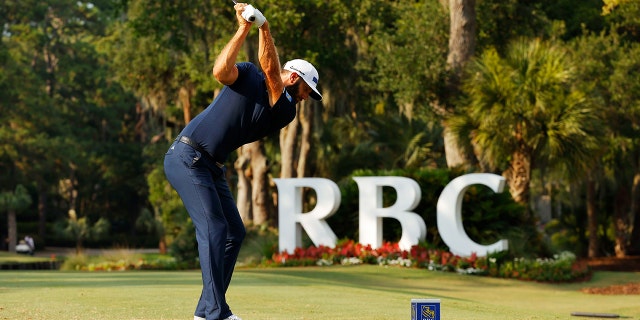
point(236, 230)
point(211, 231)
point(194, 183)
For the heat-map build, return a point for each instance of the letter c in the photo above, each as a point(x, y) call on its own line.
point(450, 214)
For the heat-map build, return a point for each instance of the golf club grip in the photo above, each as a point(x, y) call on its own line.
point(249, 13)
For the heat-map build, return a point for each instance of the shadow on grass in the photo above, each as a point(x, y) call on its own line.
point(70, 279)
point(397, 280)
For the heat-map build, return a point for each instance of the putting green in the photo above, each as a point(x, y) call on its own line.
point(338, 292)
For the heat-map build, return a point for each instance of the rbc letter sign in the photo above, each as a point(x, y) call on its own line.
point(291, 219)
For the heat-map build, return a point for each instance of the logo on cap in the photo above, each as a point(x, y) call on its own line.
point(297, 70)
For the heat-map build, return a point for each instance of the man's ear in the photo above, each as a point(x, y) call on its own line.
point(292, 78)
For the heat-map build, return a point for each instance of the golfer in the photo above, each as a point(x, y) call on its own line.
point(251, 105)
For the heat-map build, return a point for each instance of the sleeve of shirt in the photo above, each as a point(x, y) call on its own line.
point(248, 78)
point(284, 109)
point(244, 68)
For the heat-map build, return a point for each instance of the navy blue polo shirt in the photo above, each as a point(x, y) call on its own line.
point(240, 114)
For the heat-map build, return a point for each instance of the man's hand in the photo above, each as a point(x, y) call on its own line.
point(248, 14)
point(240, 7)
point(254, 15)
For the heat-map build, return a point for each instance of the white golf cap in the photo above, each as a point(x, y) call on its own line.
point(308, 73)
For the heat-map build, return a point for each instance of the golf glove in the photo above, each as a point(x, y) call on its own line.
point(254, 15)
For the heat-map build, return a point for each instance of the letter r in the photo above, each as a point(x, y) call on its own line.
point(291, 219)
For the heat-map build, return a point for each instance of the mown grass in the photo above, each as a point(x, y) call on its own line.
point(337, 292)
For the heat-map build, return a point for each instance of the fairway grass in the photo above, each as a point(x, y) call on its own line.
point(338, 292)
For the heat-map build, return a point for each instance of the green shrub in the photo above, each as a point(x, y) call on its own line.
point(564, 235)
point(563, 267)
point(75, 262)
point(260, 243)
point(184, 247)
point(120, 260)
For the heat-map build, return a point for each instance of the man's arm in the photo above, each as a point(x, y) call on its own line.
point(225, 69)
point(270, 63)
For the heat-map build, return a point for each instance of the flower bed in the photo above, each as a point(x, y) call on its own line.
point(563, 267)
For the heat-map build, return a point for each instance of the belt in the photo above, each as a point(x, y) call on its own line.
point(186, 140)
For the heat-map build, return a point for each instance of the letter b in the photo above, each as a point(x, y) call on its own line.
point(371, 211)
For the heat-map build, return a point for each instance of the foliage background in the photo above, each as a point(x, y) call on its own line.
point(92, 94)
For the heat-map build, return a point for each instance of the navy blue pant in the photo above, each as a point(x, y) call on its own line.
point(219, 229)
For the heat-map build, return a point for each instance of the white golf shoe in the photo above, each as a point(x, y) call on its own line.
point(231, 317)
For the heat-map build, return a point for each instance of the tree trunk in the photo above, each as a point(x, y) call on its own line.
point(592, 219)
point(12, 230)
point(162, 245)
point(185, 99)
point(518, 176)
point(634, 244)
point(288, 139)
point(160, 231)
point(42, 214)
point(621, 221)
point(462, 35)
point(454, 154)
point(140, 128)
point(462, 43)
point(259, 185)
point(243, 199)
point(79, 247)
point(306, 120)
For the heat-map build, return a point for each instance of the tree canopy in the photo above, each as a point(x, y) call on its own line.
point(92, 94)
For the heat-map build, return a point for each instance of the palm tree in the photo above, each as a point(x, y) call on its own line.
point(522, 112)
